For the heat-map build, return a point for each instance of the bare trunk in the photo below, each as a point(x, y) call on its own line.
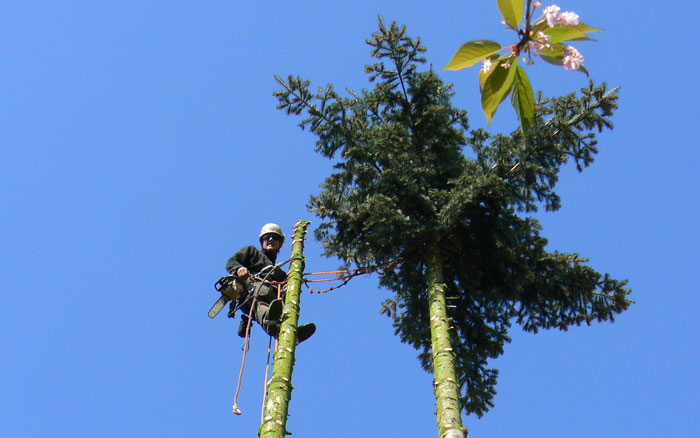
point(446, 386)
point(279, 392)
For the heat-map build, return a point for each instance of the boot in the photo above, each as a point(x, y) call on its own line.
point(274, 312)
point(272, 318)
point(305, 331)
point(272, 330)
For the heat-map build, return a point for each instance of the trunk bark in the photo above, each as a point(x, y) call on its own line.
point(279, 392)
point(446, 386)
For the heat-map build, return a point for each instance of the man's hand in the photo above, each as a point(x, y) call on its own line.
point(242, 273)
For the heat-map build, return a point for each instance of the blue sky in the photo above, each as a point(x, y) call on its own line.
point(141, 147)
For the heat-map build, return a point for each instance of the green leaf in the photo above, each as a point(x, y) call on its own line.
point(587, 29)
point(555, 60)
point(555, 50)
point(497, 87)
point(540, 27)
point(558, 34)
point(523, 99)
point(512, 11)
point(472, 52)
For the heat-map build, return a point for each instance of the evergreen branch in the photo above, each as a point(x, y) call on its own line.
point(612, 297)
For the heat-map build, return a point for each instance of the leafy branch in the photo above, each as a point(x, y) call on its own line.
point(501, 76)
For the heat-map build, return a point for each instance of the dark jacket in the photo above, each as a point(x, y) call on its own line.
point(255, 260)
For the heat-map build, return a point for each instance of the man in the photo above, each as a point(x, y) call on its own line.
point(250, 261)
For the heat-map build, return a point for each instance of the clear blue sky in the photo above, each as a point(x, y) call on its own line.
point(141, 147)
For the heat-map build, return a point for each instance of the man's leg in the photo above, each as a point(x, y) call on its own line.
point(268, 315)
point(243, 326)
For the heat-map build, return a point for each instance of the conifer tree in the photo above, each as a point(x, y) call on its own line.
point(412, 183)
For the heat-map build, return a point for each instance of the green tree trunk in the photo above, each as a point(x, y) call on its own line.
point(446, 385)
point(279, 392)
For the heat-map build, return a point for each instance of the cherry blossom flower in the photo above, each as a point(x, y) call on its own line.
point(486, 67)
point(536, 5)
point(573, 60)
point(555, 17)
point(541, 42)
point(551, 14)
point(568, 19)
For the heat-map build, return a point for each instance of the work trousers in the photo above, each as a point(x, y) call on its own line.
point(265, 295)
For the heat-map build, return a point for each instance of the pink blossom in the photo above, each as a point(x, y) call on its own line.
point(486, 67)
point(536, 5)
point(572, 59)
point(540, 43)
point(555, 17)
point(551, 14)
point(536, 46)
point(568, 19)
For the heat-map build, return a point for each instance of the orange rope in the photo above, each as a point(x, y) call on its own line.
point(346, 279)
point(235, 408)
point(324, 280)
point(347, 271)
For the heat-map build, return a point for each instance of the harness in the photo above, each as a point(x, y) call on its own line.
point(239, 294)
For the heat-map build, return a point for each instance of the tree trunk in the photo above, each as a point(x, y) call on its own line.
point(279, 392)
point(446, 386)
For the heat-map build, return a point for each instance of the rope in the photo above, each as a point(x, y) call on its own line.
point(236, 410)
point(346, 279)
point(267, 370)
point(347, 271)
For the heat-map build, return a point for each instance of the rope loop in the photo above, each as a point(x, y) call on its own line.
point(348, 274)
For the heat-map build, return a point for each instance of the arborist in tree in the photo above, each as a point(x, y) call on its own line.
point(251, 265)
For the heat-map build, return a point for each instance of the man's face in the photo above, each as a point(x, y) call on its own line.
point(271, 242)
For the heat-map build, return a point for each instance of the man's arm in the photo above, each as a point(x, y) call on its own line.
point(241, 262)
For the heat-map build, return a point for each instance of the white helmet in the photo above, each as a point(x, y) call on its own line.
point(271, 229)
